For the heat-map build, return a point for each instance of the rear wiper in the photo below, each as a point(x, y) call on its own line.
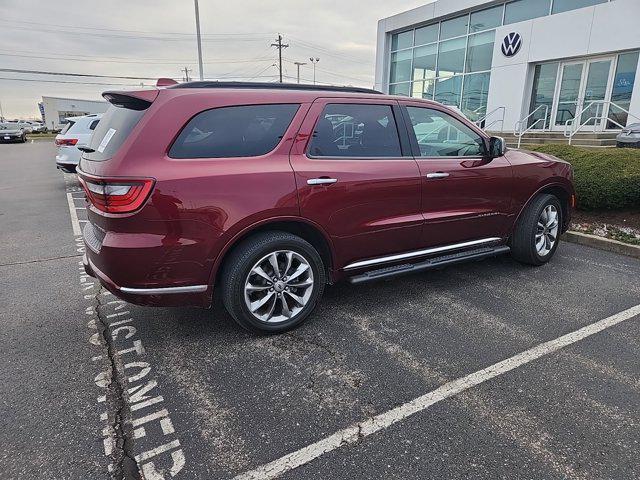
point(86, 149)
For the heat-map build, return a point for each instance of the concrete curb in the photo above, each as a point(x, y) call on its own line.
point(602, 243)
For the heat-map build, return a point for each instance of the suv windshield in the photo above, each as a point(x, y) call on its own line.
point(111, 132)
point(9, 126)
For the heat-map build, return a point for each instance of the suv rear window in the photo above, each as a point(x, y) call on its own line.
point(67, 126)
point(241, 131)
point(112, 130)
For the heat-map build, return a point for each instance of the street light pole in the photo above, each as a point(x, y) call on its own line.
point(314, 61)
point(199, 40)
point(298, 64)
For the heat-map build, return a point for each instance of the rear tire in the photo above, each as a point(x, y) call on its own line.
point(537, 233)
point(267, 300)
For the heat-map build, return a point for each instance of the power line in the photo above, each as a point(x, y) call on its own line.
point(41, 72)
point(71, 81)
point(137, 37)
point(139, 62)
point(75, 26)
point(326, 51)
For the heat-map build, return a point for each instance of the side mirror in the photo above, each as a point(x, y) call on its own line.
point(497, 147)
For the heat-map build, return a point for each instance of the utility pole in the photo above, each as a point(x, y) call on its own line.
point(186, 74)
point(314, 61)
point(199, 40)
point(299, 64)
point(279, 46)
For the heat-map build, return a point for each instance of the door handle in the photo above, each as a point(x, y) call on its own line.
point(321, 181)
point(437, 175)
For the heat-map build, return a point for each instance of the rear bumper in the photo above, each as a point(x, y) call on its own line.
point(189, 295)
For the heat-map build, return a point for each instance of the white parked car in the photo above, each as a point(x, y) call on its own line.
point(26, 126)
point(38, 127)
point(76, 133)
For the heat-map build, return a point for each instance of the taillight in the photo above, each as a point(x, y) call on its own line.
point(117, 196)
point(66, 142)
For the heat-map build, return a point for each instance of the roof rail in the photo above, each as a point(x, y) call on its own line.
point(274, 86)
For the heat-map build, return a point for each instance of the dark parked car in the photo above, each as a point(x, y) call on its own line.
point(267, 193)
point(12, 132)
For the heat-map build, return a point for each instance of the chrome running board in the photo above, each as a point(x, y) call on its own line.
point(420, 253)
point(164, 291)
point(430, 263)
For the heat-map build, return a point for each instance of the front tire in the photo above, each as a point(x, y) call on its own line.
point(537, 233)
point(272, 282)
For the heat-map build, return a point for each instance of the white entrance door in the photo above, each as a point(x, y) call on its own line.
point(583, 89)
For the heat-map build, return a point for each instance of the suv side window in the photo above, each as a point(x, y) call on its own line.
point(441, 135)
point(242, 131)
point(94, 124)
point(356, 130)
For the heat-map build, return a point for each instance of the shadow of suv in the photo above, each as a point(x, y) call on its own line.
point(268, 192)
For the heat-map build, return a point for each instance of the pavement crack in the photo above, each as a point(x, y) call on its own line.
point(125, 466)
point(39, 260)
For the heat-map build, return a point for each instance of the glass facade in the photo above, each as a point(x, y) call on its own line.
point(622, 89)
point(544, 87)
point(443, 60)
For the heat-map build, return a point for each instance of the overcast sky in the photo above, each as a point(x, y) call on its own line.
point(155, 38)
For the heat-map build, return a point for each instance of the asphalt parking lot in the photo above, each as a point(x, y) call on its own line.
point(195, 397)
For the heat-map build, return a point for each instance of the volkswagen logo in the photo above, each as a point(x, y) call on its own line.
point(511, 44)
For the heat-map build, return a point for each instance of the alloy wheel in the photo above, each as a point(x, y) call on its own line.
point(547, 230)
point(278, 286)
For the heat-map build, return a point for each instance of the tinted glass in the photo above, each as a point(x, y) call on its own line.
point(480, 51)
point(402, 40)
point(623, 82)
point(111, 132)
point(423, 89)
point(243, 131)
point(428, 34)
point(521, 10)
point(454, 27)
point(400, 66)
point(486, 19)
point(66, 128)
point(474, 95)
point(424, 62)
point(544, 86)
point(347, 130)
point(440, 135)
point(400, 89)
point(448, 90)
point(451, 57)
point(565, 5)
point(93, 125)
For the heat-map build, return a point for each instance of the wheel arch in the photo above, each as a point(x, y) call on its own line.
point(561, 192)
point(299, 226)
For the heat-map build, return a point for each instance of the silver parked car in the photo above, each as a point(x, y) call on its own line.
point(629, 136)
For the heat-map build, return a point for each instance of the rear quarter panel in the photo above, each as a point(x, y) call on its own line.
point(197, 205)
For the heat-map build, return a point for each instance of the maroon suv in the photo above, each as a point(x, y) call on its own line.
point(268, 192)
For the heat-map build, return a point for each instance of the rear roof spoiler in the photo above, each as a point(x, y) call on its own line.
point(134, 100)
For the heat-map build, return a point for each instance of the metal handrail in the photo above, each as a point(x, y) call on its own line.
point(599, 117)
point(517, 130)
point(497, 120)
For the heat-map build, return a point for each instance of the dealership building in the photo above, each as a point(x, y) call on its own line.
point(556, 65)
point(55, 110)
